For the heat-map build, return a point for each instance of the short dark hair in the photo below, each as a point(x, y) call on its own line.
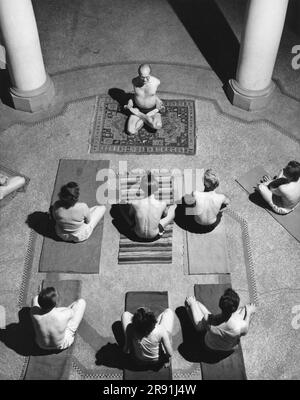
point(292, 171)
point(69, 194)
point(229, 302)
point(143, 322)
point(211, 182)
point(149, 184)
point(291, 174)
point(47, 298)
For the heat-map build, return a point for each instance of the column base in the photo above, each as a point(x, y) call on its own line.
point(33, 100)
point(249, 100)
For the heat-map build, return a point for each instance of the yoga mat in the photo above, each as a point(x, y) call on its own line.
point(84, 257)
point(55, 366)
point(290, 222)
point(157, 252)
point(157, 302)
point(207, 253)
point(232, 367)
point(137, 251)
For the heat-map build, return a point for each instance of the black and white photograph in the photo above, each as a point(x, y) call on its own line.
point(149, 193)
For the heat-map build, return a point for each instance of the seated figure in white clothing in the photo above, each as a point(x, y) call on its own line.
point(55, 327)
point(147, 339)
point(10, 184)
point(283, 192)
point(74, 221)
point(223, 331)
point(207, 206)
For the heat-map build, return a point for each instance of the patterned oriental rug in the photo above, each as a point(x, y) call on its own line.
point(177, 136)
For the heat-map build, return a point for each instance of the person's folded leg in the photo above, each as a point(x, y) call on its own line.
point(169, 217)
point(14, 183)
point(78, 308)
point(166, 319)
point(97, 213)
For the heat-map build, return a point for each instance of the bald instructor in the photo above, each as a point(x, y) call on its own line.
point(146, 107)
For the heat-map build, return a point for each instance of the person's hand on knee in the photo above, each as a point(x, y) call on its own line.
point(190, 300)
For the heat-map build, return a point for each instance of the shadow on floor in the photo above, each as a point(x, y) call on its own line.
point(211, 33)
point(121, 224)
point(256, 199)
point(5, 84)
point(187, 222)
point(193, 348)
point(43, 224)
point(121, 97)
point(20, 336)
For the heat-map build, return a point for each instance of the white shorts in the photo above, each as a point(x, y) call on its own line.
point(281, 210)
point(82, 234)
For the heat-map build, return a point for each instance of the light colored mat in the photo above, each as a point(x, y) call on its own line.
point(207, 252)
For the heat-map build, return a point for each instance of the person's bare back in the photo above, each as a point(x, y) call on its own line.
point(208, 205)
point(148, 213)
point(50, 327)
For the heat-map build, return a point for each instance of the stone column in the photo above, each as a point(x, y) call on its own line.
point(253, 86)
point(32, 89)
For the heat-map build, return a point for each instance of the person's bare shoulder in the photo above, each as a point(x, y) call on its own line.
point(155, 81)
point(63, 313)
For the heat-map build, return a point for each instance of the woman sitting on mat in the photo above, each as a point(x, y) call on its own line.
point(10, 184)
point(206, 207)
point(75, 221)
point(223, 331)
point(147, 339)
point(148, 217)
point(283, 192)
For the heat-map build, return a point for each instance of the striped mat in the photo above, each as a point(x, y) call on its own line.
point(129, 187)
point(160, 251)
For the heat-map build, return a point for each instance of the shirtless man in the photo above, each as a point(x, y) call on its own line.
point(207, 205)
point(146, 106)
point(55, 327)
point(9, 185)
point(148, 216)
point(223, 331)
point(283, 192)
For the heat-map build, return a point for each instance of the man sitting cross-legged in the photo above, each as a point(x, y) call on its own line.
point(223, 331)
point(283, 192)
point(148, 217)
point(55, 327)
point(207, 206)
point(146, 107)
